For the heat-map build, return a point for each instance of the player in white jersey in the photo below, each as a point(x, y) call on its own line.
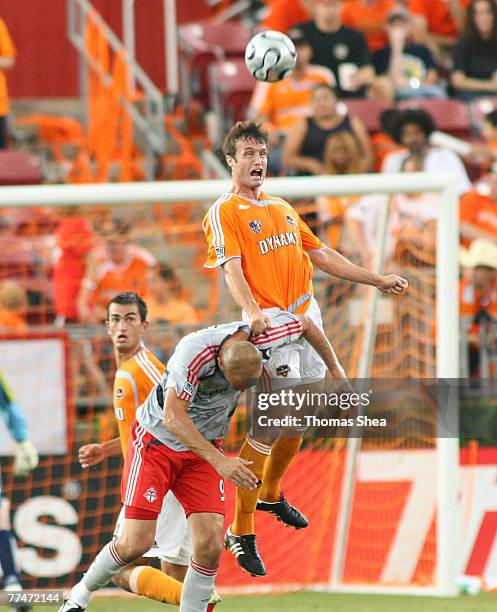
point(176, 445)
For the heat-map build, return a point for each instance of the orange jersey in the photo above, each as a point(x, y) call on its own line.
point(272, 242)
point(369, 19)
point(284, 14)
point(7, 49)
point(129, 275)
point(133, 383)
point(472, 301)
point(437, 14)
point(480, 210)
point(287, 101)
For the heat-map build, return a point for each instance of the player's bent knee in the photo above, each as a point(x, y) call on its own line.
point(207, 551)
point(131, 548)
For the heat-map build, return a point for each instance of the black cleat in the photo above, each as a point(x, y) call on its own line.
point(284, 512)
point(70, 606)
point(244, 548)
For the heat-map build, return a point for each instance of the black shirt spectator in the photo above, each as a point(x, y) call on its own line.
point(331, 49)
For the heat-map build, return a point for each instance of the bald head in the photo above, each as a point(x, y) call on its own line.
point(241, 364)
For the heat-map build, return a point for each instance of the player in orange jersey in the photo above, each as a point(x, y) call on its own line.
point(138, 373)
point(267, 253)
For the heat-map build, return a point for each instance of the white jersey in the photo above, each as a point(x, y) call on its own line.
point(194, 374)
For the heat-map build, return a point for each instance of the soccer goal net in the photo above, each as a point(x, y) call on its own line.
point(382, 509)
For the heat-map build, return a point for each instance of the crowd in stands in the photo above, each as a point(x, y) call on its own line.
point(395, 55)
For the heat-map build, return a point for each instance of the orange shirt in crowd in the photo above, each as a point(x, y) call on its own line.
point(12, 321)
point(479, 210)
point(176, 311)
point(472, 301)
point(284, 14)
point(272, 242)
point(369, 18)
point(74, 239)
point(382, 145)
point(7, 49)
point(437, 14)
point(133, 382)
point(128, 275)
point(284, 103)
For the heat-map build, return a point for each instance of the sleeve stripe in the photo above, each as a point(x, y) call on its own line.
point(193, 373)
point(287, 329)
point(199, 356)
point(215, 220)
point(145, 366)
point(153, 368)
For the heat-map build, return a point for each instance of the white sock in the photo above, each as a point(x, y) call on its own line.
point(197, 588)
point(106, 565)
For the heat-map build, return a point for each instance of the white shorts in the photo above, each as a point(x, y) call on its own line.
point(298, 362)
point(172, 536)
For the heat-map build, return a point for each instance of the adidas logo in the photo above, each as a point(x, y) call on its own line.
point(237, 549)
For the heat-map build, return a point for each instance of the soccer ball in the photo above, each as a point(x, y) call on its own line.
point(270, 56)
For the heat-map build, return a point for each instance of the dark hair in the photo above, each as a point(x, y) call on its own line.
point(387, 119)
point(416, 116)
point(128, 297)
point(243, 130)
point(471, 32)
point(491, 117)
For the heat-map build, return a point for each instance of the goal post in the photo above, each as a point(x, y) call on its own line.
point(446, 322)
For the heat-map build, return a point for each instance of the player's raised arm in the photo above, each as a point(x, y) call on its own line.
point(180, 425)
point(333, 263)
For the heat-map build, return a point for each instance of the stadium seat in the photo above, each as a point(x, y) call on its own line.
point(231, 87)
point(368, 111)
point(479, 108)
point(450, 116)
point(202, 43)
point(19, 168)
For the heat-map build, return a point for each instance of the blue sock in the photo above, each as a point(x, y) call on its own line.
point(7, 558)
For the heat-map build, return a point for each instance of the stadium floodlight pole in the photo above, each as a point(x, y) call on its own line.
point(128, 13)
point(171, 49)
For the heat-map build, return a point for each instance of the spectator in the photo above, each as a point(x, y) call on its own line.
point(437, 23)
point(382, 142)
point(478, 211)
point(411, 220)
point(412, 129)
point(112, 266)
point(73, 241)
point(343, 50)
point(368, 16)
point(478, 306)
point(167, 301)
point(284, 14)
point(7, 61)
point(405, 69)
point(342, 155)
point(280, 105)
point(475, 56)
point(13, 305)
point(303, 151)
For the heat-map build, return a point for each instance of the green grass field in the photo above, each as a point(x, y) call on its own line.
point(315, 602)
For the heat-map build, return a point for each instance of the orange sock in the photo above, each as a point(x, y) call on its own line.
point(154, 584)
point(246, 500)
point(282, 454)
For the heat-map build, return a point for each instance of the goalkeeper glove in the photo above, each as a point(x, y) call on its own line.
point(26, 458)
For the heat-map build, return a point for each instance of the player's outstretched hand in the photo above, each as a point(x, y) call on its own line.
point(236, 471)
point(259, 323)
point(91, 454)
point(26, 458)
point(392, 284)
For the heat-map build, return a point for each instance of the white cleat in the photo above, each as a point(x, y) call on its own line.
point(70, 606)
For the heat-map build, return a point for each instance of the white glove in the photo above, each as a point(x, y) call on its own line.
point(26, 458)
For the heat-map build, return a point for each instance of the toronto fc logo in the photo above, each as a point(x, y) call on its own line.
point(255, 226)
point(150, 495)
